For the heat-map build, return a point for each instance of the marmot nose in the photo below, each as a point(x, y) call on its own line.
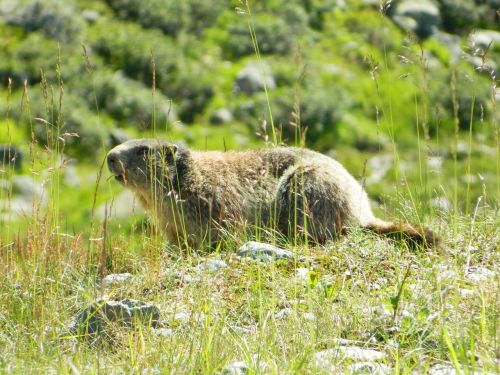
point(112, 160)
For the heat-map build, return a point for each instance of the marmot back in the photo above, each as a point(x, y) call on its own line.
point(198, 196)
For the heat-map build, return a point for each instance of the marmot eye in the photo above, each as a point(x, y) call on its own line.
point(141, 151)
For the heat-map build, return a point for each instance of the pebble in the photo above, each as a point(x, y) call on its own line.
point(263, 252)
point(479, 274)
point(165, 332)
point(93, 318)
point(115, 279)
point(282, 314)
point(369, 368)
point(210, 266)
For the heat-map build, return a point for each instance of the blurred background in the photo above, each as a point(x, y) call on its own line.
point(404, 93)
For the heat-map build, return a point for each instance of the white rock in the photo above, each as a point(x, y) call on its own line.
point(165, 332)
point(236, 368)
point(329, 359)
point(379, 165)
point(479, 274)
point(302, 273)
point(115, 279)
point(309, 316)
point(483, 38)
point(210, 266)
point(254, 77)
point(369, 368)
point(263, 252)
point(286, 312)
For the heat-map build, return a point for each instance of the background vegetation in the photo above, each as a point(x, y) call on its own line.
point(403, 93)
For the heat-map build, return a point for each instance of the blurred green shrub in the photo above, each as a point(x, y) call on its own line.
point(27, 59)
point(275, 34)
point(56, 19)
point(170, 16)
point(126, 100)
point(76, 129)
point(128, 47)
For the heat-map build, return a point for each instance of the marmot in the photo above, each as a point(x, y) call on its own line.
point(198, 196)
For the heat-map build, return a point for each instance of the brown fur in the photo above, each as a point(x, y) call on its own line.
point(198, 196)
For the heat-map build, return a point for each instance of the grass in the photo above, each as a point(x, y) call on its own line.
point(420, 309)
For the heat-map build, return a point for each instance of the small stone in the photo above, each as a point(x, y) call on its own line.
point(285, 313)
point(71, 177)
point(165, 332)
point(328, 359)
point(93, 319)
point(117, 136)
point(27, 188)
point(115, 279)
point(467, 293)
point(263, 252)
point(90, 15)
point(369, 368)
point(483, 39)
point(210, 266)
point(435, 163)
point(479, 274)
point(236, 368)
point(379, 165)
point(221, 116)
point(254, 77)
point(420, 16)
point(302, 273)
point(441, 203)
point(309, 316)
point(244, 368)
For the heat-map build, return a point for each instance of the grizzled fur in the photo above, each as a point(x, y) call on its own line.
point(197, 196)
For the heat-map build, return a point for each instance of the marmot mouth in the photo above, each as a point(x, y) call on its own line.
point(120, 178)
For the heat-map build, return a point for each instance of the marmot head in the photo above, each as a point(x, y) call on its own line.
point(140, 164)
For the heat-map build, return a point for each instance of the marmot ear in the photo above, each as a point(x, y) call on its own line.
point(170, 150)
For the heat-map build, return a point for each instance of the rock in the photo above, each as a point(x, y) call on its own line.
point(263, 252)
point(479, 274)
point(26, 187)
point(117, 136)
point(164, 332)
point(468, 179)
point(123, 206)
point(71, 177)
point(282, 314)
point(236, 368)
point(93, 319)
point(329, 359)
point(221, 116)
point(115, 279)
point(483, 38)
point(452, 42)
point(302, 273)
point(441, 204)
point(210, 266)
point(242, 367)
point(420, 16)
point(369, 368)
point(254, 77)
point(11, 156)
point(379, 165)
point(435, 163)
point(309, 316)
point(442, 369)
point(91, 16)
